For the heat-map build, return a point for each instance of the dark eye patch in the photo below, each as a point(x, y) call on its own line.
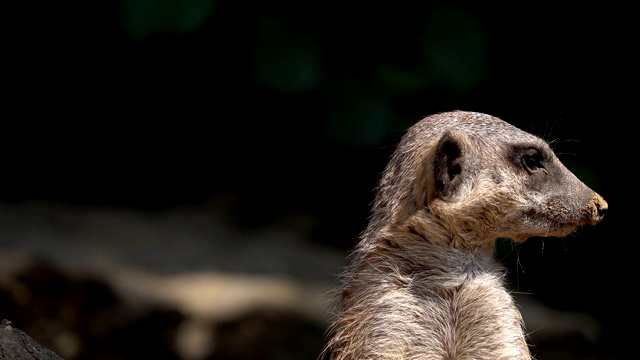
point(532, 160)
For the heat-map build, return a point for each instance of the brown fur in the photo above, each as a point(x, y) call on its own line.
point(423, 283)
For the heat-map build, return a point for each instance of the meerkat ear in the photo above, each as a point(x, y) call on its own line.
point(449, 163)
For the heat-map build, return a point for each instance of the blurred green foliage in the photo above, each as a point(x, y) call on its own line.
point(144, 18)
point(454, 44)
point(285, 59)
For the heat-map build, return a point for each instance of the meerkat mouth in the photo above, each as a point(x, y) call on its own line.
point(557, 226)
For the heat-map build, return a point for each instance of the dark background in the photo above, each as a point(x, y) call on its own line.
point(294, 107)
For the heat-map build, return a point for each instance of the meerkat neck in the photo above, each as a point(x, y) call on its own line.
point(424, 230)
point(415, 253)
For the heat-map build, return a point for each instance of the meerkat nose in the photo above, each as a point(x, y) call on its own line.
point(602, 211)
point(601, 208)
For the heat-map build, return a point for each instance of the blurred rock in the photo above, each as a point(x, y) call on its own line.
point(15, 344)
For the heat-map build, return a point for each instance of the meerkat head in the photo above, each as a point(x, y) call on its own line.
point(465, 179)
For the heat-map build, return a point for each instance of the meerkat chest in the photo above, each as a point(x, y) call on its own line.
point(474, 319)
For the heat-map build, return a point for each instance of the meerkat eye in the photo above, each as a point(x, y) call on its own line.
point(532, 160)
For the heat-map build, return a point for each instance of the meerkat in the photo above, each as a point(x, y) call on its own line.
point(423, 281)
